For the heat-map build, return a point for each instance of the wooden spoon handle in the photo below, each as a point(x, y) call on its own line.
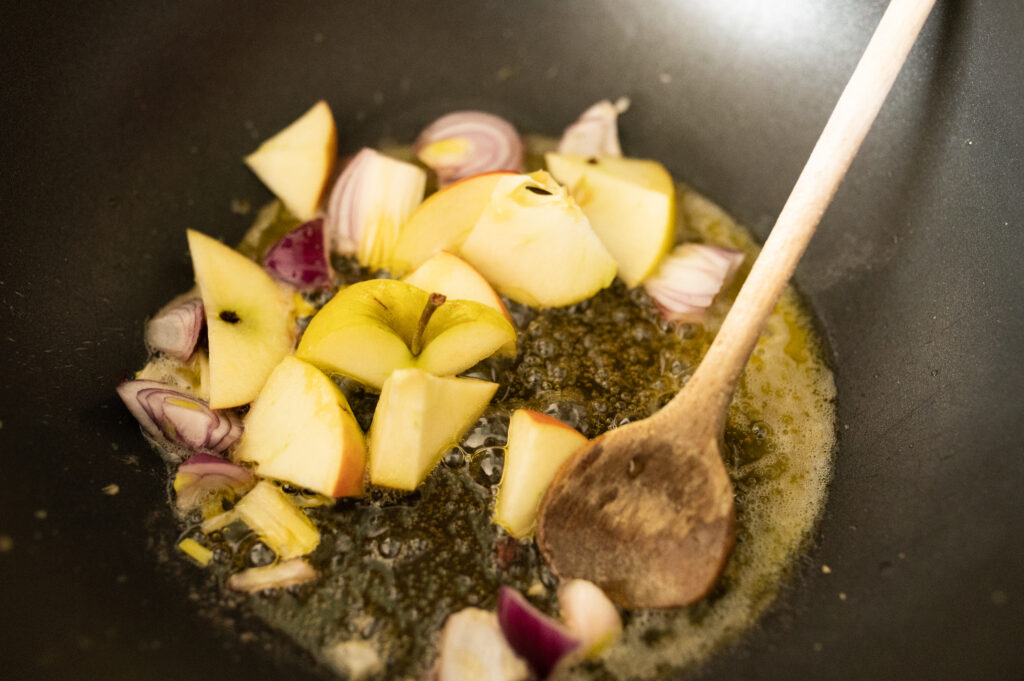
point(846, 128)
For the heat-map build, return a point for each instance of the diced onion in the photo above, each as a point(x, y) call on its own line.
point(300, 259)
point(689, 278)
point(175, 330)
point(589, 615)
point(179, 419)
point(473, 648)
point(370, 202)
point(596, 131)
point(278, 522)
point(466, 143)
point(537, 638)
point(279, 576)
point(203, 476)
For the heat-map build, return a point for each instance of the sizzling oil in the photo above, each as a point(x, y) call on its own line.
point(393, 566)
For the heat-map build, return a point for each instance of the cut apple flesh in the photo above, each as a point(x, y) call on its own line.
point(301, 430)
point(538, 445)
point(534, 244)
point(297, 162)
point(418, 417)
point(630, 204)
point(443, 220)
point(371, 328)
point(248, 320)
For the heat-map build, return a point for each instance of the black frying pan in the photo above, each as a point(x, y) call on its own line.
point(123, 124)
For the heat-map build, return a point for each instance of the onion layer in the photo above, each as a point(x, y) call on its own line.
point(589, 615)
point(466, 143)
point(179, 419)
point(689, 278)
point(372, 199)
point(284, 574)
point(474, 649)
point(300, 259)
point(175, 330)
point(596, 131)
point(537, 638)
point(203, 476)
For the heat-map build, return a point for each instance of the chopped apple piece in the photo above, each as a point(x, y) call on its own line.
point(369, 205)
point(248, 320)
point(374, 327)
point(279, 523)
point(538, 445)
point(630, 204)
point(301, 429)
point(456, 279)
point(534, 244)
point(297, 162)
point(418, 417)
point(443, 220)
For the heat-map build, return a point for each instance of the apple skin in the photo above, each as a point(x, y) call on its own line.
point(443, 220)
point(301, 430)
point(297, 162)
point(448, 274)
point(538, 445)
point(535, 246)
point(249, 320)
point(367, 331)
point(630, 204)
point(418, 417)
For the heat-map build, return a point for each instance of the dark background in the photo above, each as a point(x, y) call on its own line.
point(123, 124)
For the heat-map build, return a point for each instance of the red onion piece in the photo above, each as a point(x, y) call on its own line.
point(343, 205)
point(689, 278)
point(299, 258)
point(474, 649)
point(466, 143)
point(179, 419)
point(589, 614)
point(537, 638)
point(202, 476)
point(283, 574)
point(596, 131)
point(175, 330)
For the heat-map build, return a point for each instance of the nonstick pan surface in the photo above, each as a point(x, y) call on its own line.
point(124, 123)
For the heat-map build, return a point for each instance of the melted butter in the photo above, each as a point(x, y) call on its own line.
point(393, 566)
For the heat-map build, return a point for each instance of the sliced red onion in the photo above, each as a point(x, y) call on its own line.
point(300, 259)
point(466, 143)
point(284, 574)
point(537, 638)
point(175, 330)
point(373, 195)
point(596, 131)
point(474, 649)
point(179, 419)
point(689, 278)
point(203, 476)
point(589, 614)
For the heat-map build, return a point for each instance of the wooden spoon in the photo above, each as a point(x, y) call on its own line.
point(646, 511)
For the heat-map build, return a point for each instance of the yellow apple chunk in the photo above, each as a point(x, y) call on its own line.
point(456, 279)
point(538, 445)
point(248, 320)
point(419, 416)
point(443, 220)
point(297, 162)
point(535, 246)
point(375, 327)
point(631, 206)
point(301, 430)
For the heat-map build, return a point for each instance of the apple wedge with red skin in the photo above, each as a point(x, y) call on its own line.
point(443, 220)
point(538, 444)
point(301, 430)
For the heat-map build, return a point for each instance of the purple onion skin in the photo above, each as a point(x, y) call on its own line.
point(534, 636)
point(494, 144)
point(300, 259)
point(175, 330)
point(203, 476)
point(179, 419)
